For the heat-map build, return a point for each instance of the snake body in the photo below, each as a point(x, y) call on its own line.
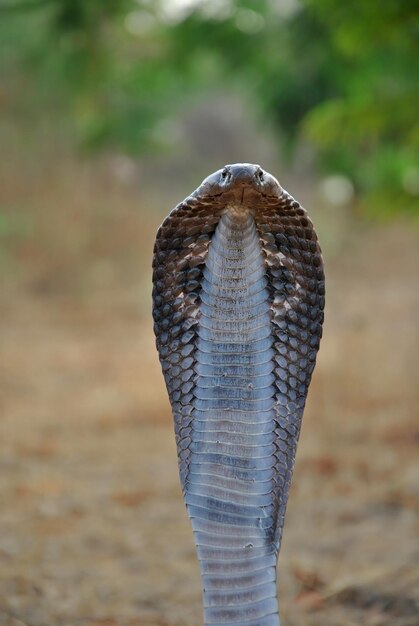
point(238, 298)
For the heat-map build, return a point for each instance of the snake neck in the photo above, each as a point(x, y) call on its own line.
point(231, 482)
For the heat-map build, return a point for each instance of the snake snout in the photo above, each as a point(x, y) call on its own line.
point(243, 175)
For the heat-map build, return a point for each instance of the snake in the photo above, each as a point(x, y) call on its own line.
point(238, 301)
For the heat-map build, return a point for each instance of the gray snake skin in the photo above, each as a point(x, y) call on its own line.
point(238, 298)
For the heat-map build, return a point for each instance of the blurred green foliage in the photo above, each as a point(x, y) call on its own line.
point(339, 77)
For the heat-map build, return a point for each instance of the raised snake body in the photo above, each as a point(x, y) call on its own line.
point(238, 297)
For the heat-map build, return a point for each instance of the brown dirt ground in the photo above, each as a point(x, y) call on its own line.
point(93, 528)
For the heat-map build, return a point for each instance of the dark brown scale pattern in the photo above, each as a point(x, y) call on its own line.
point(296, 283)
point(178, 262)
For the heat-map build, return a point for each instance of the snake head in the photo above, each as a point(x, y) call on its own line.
point(240, 181)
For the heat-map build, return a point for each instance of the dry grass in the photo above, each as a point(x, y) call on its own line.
point(93, 529)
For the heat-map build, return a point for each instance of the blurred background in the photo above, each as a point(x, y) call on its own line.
point(111, 113)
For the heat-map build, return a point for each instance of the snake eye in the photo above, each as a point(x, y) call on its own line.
point(225, 174)
point(259, 175)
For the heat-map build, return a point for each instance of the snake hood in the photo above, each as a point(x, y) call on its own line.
point(238, 298)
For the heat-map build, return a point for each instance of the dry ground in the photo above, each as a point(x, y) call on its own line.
point(93, 530)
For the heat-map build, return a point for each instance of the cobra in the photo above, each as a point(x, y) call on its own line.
point(238, 298)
